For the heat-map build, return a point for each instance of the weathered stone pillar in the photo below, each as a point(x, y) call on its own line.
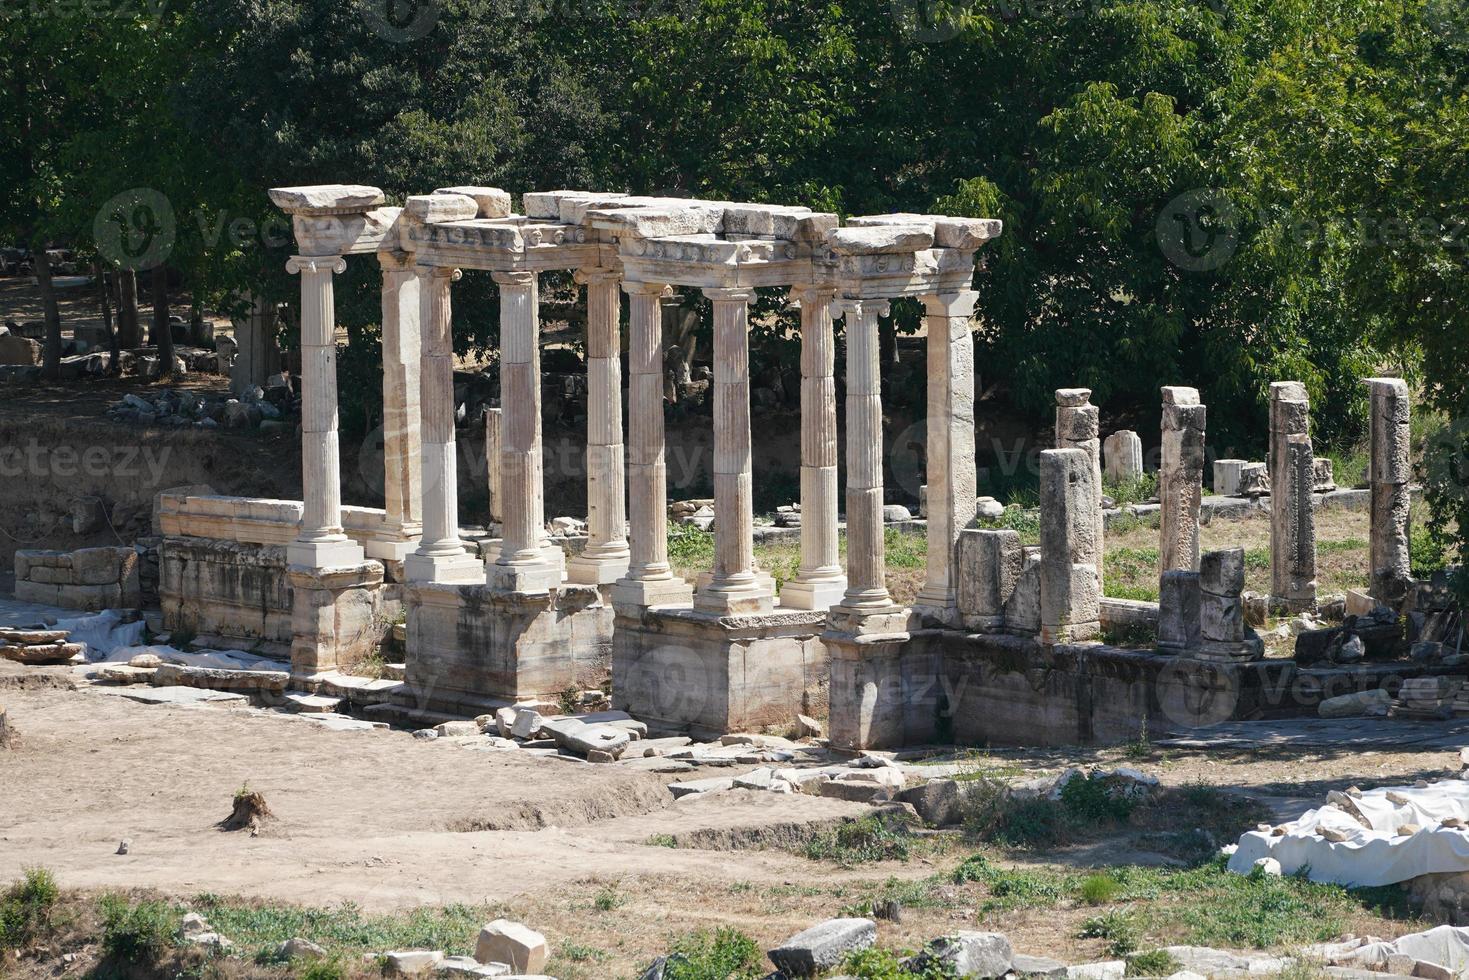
point(989, 567)
point(1222, 630)
point(321, 542)
point(867, 590)
point(494, 430)
point(402, 435)
point(1179, 597)
point(1229, 476)
point(1123, 454)
point(524, 565)
point(605, 558)
point(952, 480)
point(440, 557)
point(1071, 599)
point(1390, 471)
point(1181, 478)
point(1078, 426)
point(820, 582)
point(1292, 513)
point(734, 587)
point(649, 580)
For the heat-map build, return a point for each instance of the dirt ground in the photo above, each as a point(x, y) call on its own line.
point(387, 822)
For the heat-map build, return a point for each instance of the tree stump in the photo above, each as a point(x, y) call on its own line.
point(249, 812)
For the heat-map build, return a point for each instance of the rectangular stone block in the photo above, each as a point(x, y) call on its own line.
point(1223, 572)
point(989, 567)
point(1179, 597)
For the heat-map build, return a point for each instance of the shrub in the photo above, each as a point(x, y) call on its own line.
point(726, 954)
point(1115, 927)
point(1099, 889)
point(884, 964)
point(607, 899)
point(25, 909)
point(330, 968)
point(881, 837)
point(1153, 963)
point(1093, 800)
point(137, 933)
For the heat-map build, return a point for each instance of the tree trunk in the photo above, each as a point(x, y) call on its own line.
point(129, 334)
point(51, 359)
point(162, 335)
point(105, 295)
point(196, 324)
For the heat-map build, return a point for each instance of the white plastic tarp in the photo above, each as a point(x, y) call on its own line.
point(1370, 856)
point(226, 659)
point(102, 632)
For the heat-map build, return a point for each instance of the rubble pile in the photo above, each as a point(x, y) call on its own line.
point(265, 409)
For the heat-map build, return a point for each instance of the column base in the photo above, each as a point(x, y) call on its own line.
point(651, 593)
point(391, 550)
point(339, 553)
point(939, 607)
point(457, 569)
point(335, 616)
point(587, 569)
point(818, 594)
point(753, 599)
point(538, 577)
point(1071, 633)
point(871, 621)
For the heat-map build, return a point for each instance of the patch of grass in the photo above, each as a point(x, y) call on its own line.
point(344, 929)
point(1349, 467)
point(1023, 521)
point(1135, 491)
point(1341, 546)
point(880, 837)
point(991, 814)
point(608, 899)
point(330, 968)
point(371, 666)
point(1116, 927)
point(1428, 551)
point(886, 964)
point(662, 840)
point(1100, 889)
point(904, 550)
point(1136, 591)
point(25, 908)
point(139, 932)
point(1257, 559)
point(1153, 963)
point(1132, 636)
point(577, 952)
point(1092, 800)
point(689, 547)
point(726, 954)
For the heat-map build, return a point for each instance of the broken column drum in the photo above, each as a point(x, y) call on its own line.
point(1181, 479)
point(1292, 514)
point(1389, 473)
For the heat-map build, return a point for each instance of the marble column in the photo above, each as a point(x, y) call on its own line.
point(735, 587)
point(952, 480)
point(525, 564)
point(321, 542)
point(605, 558)
point(649, 580)
point(402, 435)
point(1181, 479)
point(1389, 474)
point(1123, 453)
point(494, 429)
point(820, 581)
point(1078, 426)
point(440, 558)
point(867, 591)
point(1292, 514)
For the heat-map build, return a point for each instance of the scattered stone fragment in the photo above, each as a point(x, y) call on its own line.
point(1333, 835)
point(696, 787)
point(468, 966)
point(807, 727)
point(409, 963)
point(146, 661)
point(503, 941)
point(1269, 866)
point(823, 946)
point(1373, 703)
point(1408, 829)
point(299, 949)
point(426, 734)
point(1037, 966)
point(456, 729)
point(966, 954)
point(526, 723)
point(1105, 970)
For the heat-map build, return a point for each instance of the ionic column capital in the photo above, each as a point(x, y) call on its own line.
point(514, 280)
point(439, 272)
point(960, 304)
point(730, 294)
point(816, 294)
point(857, 308)
point(316, 263)
point(655, 289)
point(596, 277)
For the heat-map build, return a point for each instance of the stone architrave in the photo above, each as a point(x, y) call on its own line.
point(1070, 593)
point(604, 560)
point(1389, 474)
point(1122, 453)
point(1078, 426)
point(402, 413)
point(1181, 478)
point(735, 587)
point(1179, 598)
point(1292, 513)
point(1223, 634)
point(322, 543)
point(952, 478)
point(650, 581)
point(820, 581)
point(440, 557)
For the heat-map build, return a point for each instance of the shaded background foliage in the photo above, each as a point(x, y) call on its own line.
point(1210, 192)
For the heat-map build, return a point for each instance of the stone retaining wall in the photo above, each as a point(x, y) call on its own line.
point(91, 579)
point(228, 588)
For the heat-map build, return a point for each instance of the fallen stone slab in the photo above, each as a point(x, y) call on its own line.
point(655, 763)
point(345, 723)
point(984, 955)
point(698, 787)
point(1037, 966)
point(579, 737)
point(43, 654)
point(299, 949)
point(407, 963)
point(855, 792)
point(221, 679)
point(177, 695)
point(1105, 970)
point(468, 966)
point(312, 704)
point(661, 746)
point(941, 802)
point(457, 729)
point(525, 723)
point(124, 674)
point(1220, 964)
point(823, 946)
point(504, 941)
point(1374, 703)
point(33, 637)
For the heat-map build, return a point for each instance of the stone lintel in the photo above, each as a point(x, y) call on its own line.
point(885, 239)
point(357, 233)
point(326, 198)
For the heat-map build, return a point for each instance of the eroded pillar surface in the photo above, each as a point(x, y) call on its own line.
point(606, 556)
point(734, 587)
point(440, 558)
point(1078, 426)
point(650, 580)
point(952, 480)
point(1389, 476)
point(1070, 584)
point(321, 542)
point(1223, 634)
point(1123, 455)
point(1181, 479)
point(402, 435)
point(1292, 515)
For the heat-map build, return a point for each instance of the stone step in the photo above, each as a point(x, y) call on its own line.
point(312, 704)
point(394, 672)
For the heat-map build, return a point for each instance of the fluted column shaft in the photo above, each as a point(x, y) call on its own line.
point(321, 542)
point(733, 586)
point(866, 552)
point(649, 580)
point(402, 434)
point(952, 480)
point(440, 556)
point(605, 558)
point(820, 581)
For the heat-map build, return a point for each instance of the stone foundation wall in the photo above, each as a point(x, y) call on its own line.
point(91, 579)
point(228, 588)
